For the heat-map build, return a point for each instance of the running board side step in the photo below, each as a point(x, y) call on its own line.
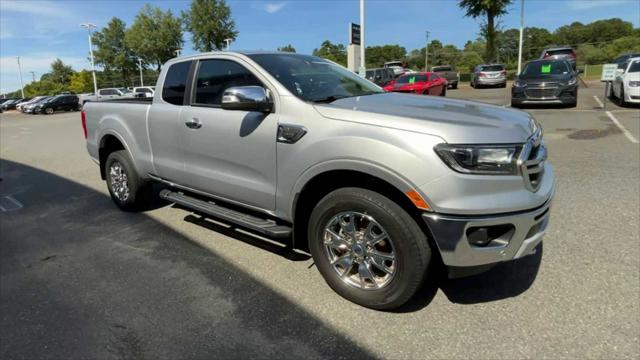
point(264, 226)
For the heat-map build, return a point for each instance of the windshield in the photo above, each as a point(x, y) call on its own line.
point(635, 67)
point(545, 68)
point(314, 79)
point(410, 79)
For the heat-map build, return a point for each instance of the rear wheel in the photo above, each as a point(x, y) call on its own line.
point(367, 248)
point(48, 111)
point(444, 91)
point(128, 191)
point(455, 85)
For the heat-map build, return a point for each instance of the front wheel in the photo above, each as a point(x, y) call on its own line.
point(368, 249)
point(48, 111)
point(444, 91)
point(621, 101)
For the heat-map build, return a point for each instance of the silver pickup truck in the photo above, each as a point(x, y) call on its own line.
point(376, 186)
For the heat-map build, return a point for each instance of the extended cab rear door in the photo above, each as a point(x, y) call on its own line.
point(163, 122)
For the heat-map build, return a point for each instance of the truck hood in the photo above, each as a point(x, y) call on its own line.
point(455, 121)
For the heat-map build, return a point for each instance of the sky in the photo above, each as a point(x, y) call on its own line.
point(41, 31)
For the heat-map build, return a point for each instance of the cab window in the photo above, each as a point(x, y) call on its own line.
point(216, 75)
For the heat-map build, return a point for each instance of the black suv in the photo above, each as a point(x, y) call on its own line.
point(58, 103)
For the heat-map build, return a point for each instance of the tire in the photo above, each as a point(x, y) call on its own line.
point(503, 85)
point(515, 105)
point(49, 111)
point(472, 84)
point(443, 92)
point(137, 194)
point(621, 101)
point(454, 86)
point(409, 248)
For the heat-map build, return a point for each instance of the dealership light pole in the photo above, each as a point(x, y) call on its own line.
point(521, 31)
point(426, 52)
point(20, 71)
point(228, 41)
point(89, 26)
point(140, 67)
point(362, 68)
point(33, 76)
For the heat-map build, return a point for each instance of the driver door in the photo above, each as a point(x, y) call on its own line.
point(228, 153)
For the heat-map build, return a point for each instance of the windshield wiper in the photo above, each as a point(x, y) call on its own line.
point(332, 98)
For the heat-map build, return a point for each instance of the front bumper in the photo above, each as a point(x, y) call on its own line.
point(562, 95)
point(632, 94)
point(523, 231)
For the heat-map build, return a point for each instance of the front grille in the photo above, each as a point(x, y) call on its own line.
point(532, 161)
point(539, 93)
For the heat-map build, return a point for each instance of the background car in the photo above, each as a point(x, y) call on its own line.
point(11, 104)
point(545, 82)
point(144, 91)
point(397, 66)
point(380, 76)
point(489, 75)
point(626, 86)
point(560, 53)
point(21, 105)
point(29, 108)
point(624, 57)
point(447, 72)
point(105, 94)
point(425, 83)
point(58, 103)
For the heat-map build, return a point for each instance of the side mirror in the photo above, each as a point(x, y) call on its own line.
point(247, 98)
point(580, 71)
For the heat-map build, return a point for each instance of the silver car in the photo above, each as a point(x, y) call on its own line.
point(376, 186)
point(489, 75)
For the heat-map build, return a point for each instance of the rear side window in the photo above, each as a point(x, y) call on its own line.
point(559, 52)
point(175, 83)
point(215, 76)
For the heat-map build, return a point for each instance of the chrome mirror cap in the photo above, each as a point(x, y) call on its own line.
point(247, 98)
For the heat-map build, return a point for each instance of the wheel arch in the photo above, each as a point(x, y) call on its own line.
point(320, 183)
point(110, 142)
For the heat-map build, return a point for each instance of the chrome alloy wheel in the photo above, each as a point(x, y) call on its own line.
point(119, 181)
point(359, 250)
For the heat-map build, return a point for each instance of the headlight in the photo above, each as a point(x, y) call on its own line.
point(480, 159)
point(519, 83)
point(634, 83)
point(572, 81)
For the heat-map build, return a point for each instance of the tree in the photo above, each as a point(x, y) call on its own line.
point(155, 35)
point(468, 61)
point(287, 48)
point(492, 9)
point(376, 56)
point(210, 23)
point(334, 52)
point(112, 52)
point(81, 82)
point(59, 72)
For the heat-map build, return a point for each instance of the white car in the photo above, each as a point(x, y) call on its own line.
point(626, 86)
point(144, 91)
point(106, 94)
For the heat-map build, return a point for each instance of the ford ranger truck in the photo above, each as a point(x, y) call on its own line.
point(376, 186)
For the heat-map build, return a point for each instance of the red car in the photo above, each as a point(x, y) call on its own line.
point(426, 83)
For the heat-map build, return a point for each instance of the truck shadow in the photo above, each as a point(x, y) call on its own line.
point(109, 284)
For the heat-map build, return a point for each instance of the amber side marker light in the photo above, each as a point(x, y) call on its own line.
point(417, 200)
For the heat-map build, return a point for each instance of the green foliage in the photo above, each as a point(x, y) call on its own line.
point(210, 23)
point(287, 48)
point(155, 35)
point(468, 60)
point(376, 56)
point(112, 51)
point(491, 9)
point(81, 82)
point(334, 52)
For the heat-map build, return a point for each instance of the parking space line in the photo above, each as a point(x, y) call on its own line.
point(598, 101)
point(624, 130)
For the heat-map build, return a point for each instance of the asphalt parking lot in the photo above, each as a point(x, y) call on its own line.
point(79, 278)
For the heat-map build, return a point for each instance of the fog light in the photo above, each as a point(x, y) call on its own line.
point(478, 236)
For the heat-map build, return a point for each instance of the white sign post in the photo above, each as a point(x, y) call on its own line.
point(608, 75)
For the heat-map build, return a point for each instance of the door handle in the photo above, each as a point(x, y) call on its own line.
point(194, 123)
